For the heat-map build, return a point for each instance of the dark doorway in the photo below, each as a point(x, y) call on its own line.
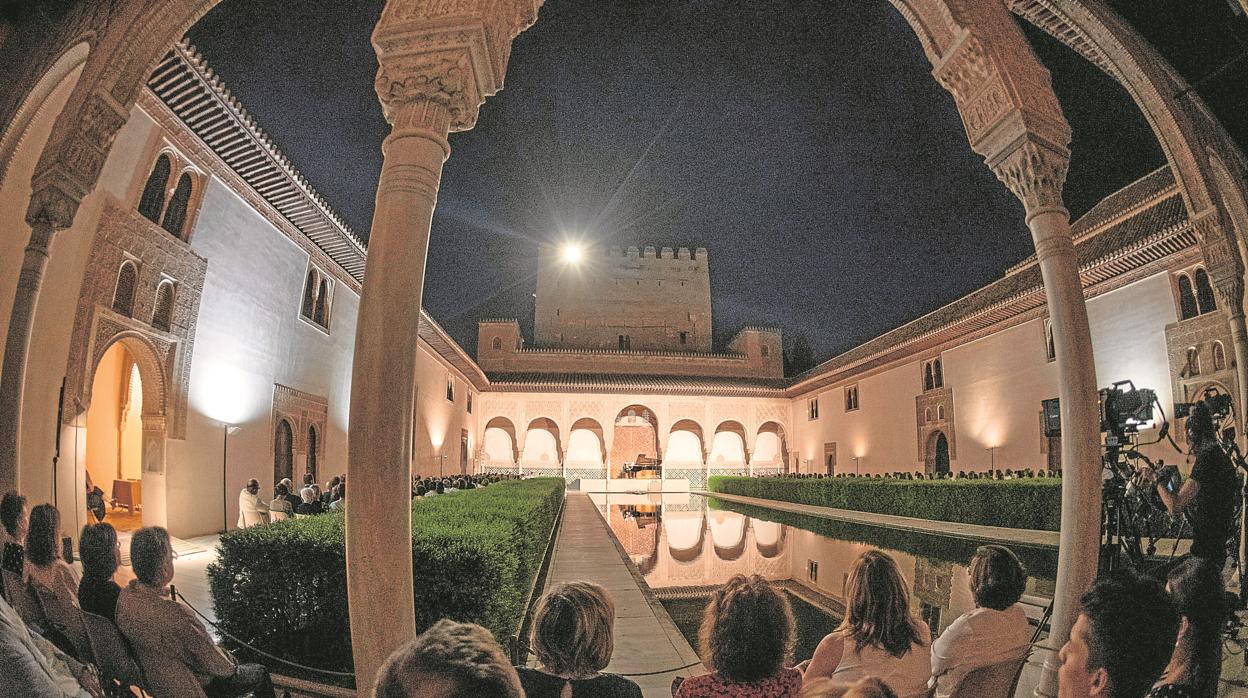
point(463, 452)
point(942, 454)
point(283, 451)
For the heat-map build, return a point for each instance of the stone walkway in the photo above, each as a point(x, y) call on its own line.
point(646, 639)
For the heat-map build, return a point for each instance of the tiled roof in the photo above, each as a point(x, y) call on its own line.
point(608, 383)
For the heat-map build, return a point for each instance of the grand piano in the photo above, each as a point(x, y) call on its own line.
point(643, 464)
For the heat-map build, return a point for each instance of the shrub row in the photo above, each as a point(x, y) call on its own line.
point(283, 587)
point(1034, 503)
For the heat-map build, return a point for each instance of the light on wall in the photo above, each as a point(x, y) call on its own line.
point(572, 252)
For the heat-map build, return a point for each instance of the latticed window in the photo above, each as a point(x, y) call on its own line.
point(1187, 298)
point(179, 203)
point(1205, 301)
point(153, 198)
point(1219, 356)
point(162, 313)
point(851, 398)
point(123, 294)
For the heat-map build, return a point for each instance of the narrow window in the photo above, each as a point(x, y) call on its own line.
point(940, 412)
point(1219, 356)
point(1187, 299)
point(938, 374)
point(766, 351)
point(927, 415)
point(851, 398)
point(450, 389)
point(1193, 363)
point(309, 294)
point(1204, 293)
point(469, 398)
point(928, 383)
point(812, 408)
point(621, 342)
point(1050, 348)
point(320, 310)
point(162, 313)
point(684, 338)
point(175, 212)
point(123, 295)
point(497, 344)
point(153, 197)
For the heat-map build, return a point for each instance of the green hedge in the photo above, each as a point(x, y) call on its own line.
point(283, 587)
point(1034, 503)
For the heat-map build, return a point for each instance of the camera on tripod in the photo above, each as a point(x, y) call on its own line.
point(1218, 404)
point(1124, 409)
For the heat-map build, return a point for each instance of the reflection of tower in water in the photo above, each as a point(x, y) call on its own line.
point(933, 582)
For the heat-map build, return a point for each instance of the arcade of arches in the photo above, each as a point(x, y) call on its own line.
point(207, 299)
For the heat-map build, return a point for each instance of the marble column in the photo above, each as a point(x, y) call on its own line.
point(1035, 172)
point(437, 62)
point(16, 344)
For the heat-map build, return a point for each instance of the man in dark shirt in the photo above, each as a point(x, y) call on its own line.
point(1211, 488)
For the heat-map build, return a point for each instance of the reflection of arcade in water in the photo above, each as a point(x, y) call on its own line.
point(684, 550)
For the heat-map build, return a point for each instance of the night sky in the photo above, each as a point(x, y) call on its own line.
point(805, 144)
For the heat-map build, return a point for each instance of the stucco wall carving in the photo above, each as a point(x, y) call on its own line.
point(124, 234)
point(934, 413)
point(302, 411)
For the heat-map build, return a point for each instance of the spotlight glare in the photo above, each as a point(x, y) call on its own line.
point(572, 253)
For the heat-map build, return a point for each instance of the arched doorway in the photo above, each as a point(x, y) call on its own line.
point(120, 436)
point(636, 436)
point(937, 454)
point(114, 437)
point(283, 451)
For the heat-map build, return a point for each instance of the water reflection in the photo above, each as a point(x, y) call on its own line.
point(686, 548)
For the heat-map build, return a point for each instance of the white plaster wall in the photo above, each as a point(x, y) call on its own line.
point(249, 337)
point(439, 421)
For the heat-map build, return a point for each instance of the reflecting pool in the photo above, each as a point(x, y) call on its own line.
point(687, 545)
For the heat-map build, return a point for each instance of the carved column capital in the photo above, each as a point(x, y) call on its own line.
point(1230, 293)
point(1035, 172)
point(72, 161)
point(439, 60)
point(52, 206)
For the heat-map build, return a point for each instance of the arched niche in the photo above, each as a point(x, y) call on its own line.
point(542, 446)
point(686, 445)
point(498, 441)
point(585, 444)
point(728, 446)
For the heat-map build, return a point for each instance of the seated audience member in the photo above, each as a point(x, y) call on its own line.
point(995, 631)
point(178, 656)
point(573, 642)
point(44, 565)
point(15, 519)
point(340, 501)
point(310, 505)
point(1195, 587)
point(292, 495)
point(1121, 641)
point(449, 660)
point(95, 500)
point(35, 667)
point(101, 556)
point(746, 640)
point(250, 506)
point(439, 488)
point(280, 503)
point(420, 491)
point(869, 687)
point(879, 636)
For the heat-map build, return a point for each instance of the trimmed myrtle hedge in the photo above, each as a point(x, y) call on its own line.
point(283, 587)
point(1040, 562)
point(1034, 503)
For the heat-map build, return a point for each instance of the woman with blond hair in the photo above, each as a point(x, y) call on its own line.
point(879, 637)
point(746, 640)
point(572, 637)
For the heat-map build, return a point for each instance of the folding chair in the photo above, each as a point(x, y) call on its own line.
point(65, 618)
point(992, 681)
point(113, 655)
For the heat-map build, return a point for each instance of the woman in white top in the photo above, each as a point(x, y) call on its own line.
point(879, 636)
point(995, 631)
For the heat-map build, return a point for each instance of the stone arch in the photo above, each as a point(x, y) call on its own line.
point(685, 532)
point(771, 447)
point(728, 445)
point(62, 69)
point(155, 416)
point(499, 443)
point(635, 433)
point(586, 444)
point(728, 534)
point(542, 445)
point(686, 444)
point(936, 454)
point(769, 537)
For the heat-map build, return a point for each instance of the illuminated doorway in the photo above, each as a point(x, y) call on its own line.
point(114, 443)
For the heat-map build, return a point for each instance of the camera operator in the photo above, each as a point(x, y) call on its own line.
point(1212, 487)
